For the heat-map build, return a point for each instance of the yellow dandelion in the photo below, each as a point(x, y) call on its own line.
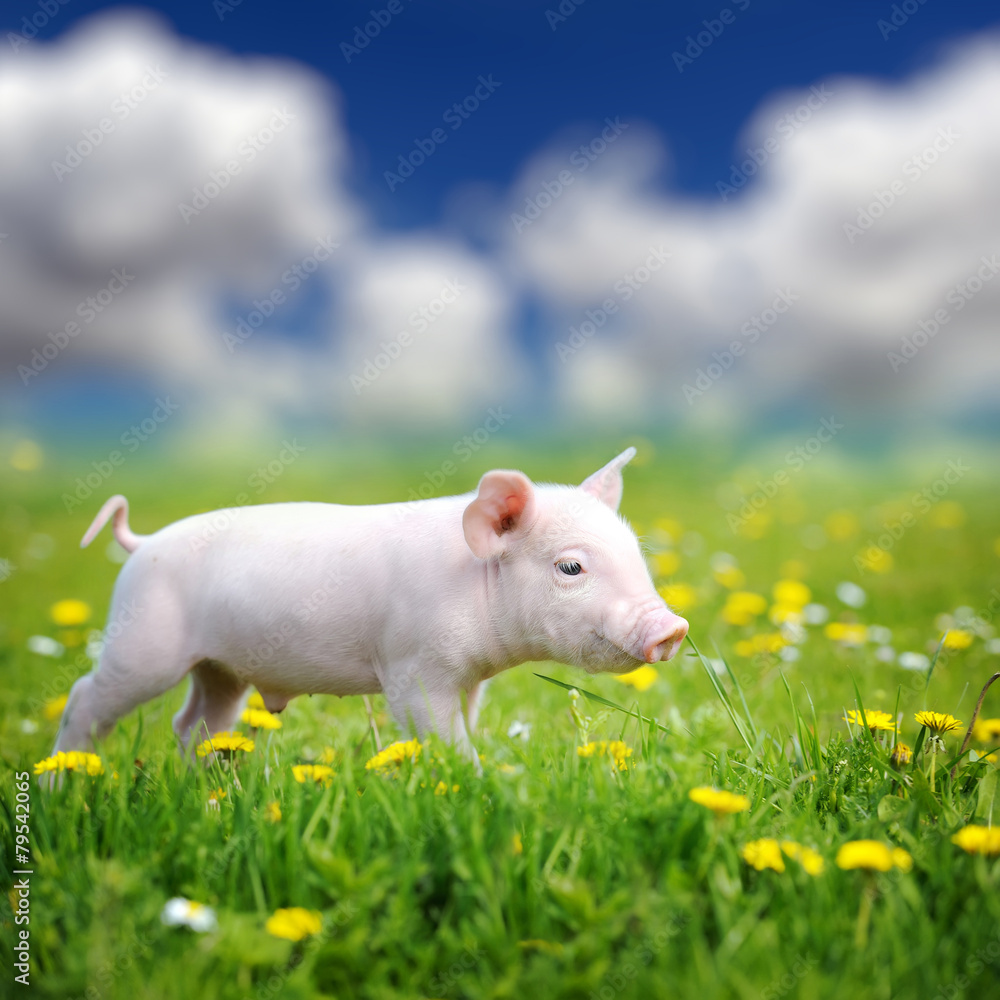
point(720, 802)
point(256, 701)
point(226, 743)
point(53, 708)
point(841, 525)
point(680, 596)
point(875, 559)
point(901, 755)
point(781, 614)
point(978, 839)
point(846, 633)
point(516, 844)
point(260, 718)
point(273, 811)
point(70, 612)
point(876, 720)
point(742, 606)
point(394, 755)
point(669, 527)
point(791, 592)
point(812, 862)
point(986, 730)
point(938, 722)
point(947, 514)
point(873, 855)
point(642, 679)
point(327, 755)
point(666, 563)
point(27, 456)
point(321, 774)
point(294, 924)
point(731, 577)
point(73, 760)
point(958, 638)
point(762, 854)
point(615, 749)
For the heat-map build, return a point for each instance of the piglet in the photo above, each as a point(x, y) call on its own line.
point(421, 601)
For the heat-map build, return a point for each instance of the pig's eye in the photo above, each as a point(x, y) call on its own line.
point(569, 568)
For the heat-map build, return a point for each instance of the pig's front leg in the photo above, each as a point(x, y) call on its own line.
point(428, 705)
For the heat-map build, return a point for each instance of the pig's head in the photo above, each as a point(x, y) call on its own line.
point(565, 576)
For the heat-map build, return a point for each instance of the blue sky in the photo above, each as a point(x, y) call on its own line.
point(604, 59)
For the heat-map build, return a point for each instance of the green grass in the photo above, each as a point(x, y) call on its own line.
point(624, 886)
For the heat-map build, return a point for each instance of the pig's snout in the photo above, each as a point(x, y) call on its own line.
point(663, 640)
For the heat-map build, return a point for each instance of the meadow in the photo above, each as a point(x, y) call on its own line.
point(829, 604)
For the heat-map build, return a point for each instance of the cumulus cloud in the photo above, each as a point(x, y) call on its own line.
point(861, 208)
point(170, 211)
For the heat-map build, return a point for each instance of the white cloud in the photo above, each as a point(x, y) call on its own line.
point(858, 291)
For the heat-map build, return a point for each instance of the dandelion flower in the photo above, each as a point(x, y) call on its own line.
point(294, 924)
point(516, 844)
point(225, 743)
point(642, 679)
point(666, 563)
point(913, 661)
point(901, 755)
point(846, 633)
point(986, 730)
point(256, 701)
point(742, 606)
point(181, 912)
point(762, 854)
point(720, 802)
point(321, 774)
point(876, 720)
point(730, 576)
point(70, 612)
point(273, 811)
point(873, 855)
point(958, 638)
point(938, 722)
point(394, 755)
point(680, 596)
point(851, 594)
point(811, 861)
point(53, 708)
point(73, 760)
point(614, 749)
point(791, 592)
point(260, 718)
point(978, 839)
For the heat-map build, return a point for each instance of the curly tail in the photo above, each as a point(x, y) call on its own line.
point(118, 506)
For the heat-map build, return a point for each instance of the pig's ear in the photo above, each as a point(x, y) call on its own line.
point(503, 509)
point(606, 484)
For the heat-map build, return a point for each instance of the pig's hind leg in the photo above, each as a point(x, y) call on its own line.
point(136, 665)
point(213, 704)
